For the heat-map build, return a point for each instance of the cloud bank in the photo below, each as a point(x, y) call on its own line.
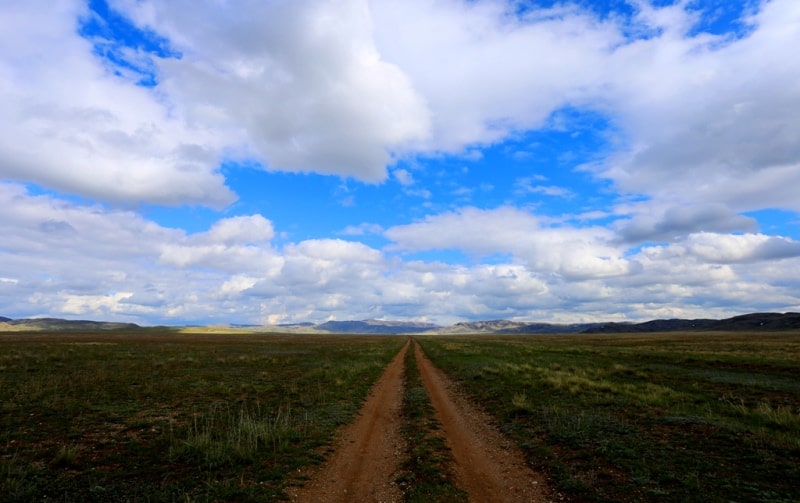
point(699, 134)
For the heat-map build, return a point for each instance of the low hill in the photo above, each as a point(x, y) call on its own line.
point(57, 324)
point(753, 321)
point(514, 327)
point(376, 327)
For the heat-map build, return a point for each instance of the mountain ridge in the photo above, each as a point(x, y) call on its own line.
point(58, 324)
point(766, 321)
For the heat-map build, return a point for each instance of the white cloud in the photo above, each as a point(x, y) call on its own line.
point(484, 71)
point(302, 81)
point(711, 119)
point(573, 252)
point(403, 176)
point(105, 305)
point(236, 244)
point(727, 248)
point(702, 117)
point(92, 262)
point(241, 230)
point(651, 223)
point(346, 87)
point(362, 229)
point(70, 123)
point(706, 125)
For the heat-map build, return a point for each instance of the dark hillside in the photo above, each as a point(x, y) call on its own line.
point(375, 327)
point(68, 325)
point(754, 321)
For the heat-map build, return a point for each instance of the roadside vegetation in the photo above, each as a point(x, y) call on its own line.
point(659, 417)
point(160, 416)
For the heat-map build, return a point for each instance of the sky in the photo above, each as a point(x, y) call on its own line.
point(282, 161)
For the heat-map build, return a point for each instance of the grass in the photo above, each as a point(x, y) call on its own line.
point(225, 436)
point(161, 416)
point(427, 476)
point(675, 417)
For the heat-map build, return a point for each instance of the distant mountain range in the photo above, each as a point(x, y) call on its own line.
point(754, 321)
point(57, 324)
point(376, 327)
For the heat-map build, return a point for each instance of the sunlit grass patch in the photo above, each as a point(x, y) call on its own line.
point(225, 435)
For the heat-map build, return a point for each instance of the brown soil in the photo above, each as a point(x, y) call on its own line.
point(369, 452)
point(366, 461)
point(488, 467)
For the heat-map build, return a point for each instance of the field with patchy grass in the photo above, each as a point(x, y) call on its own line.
point(160, 416)
point(659, 417)
point(164, 416)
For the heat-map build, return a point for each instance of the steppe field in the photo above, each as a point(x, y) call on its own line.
point(156, 415)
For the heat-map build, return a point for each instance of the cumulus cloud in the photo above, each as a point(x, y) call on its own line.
point(348, 87)
point(114, 264)
point(69, 122)
point(576, 253)
point(297, 86)
point(237, 244)
point(676, 222)
point(729, 248)
point(303, 81)
point(710, 118)
point(484, 70)
point(704, 130)
point(700, 117)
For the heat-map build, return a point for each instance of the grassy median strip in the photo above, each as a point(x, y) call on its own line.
point(426, 478)
point(674, 417)
point(149, 416)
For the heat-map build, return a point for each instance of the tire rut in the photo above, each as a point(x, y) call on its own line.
point(370, 449)
point(488, 467)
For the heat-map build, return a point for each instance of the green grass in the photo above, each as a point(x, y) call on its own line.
point(677, 417)
point(427, 476)
point(160, 416)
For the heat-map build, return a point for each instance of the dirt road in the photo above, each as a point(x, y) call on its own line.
point(365, 464)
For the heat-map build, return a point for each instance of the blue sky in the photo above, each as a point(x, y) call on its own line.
point(176, 162)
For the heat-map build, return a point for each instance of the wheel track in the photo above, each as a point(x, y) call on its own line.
point(364, 466)
point(488, 467)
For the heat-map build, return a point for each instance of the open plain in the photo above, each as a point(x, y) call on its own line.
point(155, 415)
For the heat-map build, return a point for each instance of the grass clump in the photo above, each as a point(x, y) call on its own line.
point(66, 457)
point(225, 436)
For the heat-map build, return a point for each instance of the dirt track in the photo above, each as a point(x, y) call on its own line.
point(370, 450)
